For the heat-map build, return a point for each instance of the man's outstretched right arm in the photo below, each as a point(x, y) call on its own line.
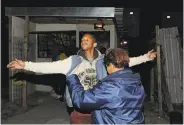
point(61, 66)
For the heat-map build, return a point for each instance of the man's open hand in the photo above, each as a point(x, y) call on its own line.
point(17, 64)
point(152, 54)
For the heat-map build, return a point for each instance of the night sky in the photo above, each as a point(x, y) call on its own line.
point(149, 18)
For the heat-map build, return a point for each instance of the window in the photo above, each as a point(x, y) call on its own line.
point(50, 43)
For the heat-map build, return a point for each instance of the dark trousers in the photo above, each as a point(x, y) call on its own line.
point(56, 81)
point(70, 110)
point(59, 88)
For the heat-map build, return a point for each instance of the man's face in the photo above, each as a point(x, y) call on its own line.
point(87, 42)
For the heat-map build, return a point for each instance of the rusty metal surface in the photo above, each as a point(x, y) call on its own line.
point(66, 20)
point(61, 11)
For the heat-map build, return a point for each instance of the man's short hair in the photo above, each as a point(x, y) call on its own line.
point(93, 37)
point(118, 57)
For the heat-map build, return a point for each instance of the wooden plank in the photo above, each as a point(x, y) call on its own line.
point(166, 93)
point(165, 89)
point(159, 71)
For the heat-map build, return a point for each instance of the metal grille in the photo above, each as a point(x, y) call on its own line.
point(17, 53)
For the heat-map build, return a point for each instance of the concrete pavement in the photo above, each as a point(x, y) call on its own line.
point(51, 111)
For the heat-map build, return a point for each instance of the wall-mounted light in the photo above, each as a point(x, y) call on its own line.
point(168, 17)
point(99, 26)
point(131, 13)
point(124, 43)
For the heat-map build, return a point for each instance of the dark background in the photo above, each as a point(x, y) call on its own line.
point(151, 14)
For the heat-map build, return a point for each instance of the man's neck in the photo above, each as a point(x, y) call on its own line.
point(89, 53)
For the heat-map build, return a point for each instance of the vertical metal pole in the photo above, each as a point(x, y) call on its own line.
point(10, 56)
point(26, 38)
point(159, 71)
point(152, 85)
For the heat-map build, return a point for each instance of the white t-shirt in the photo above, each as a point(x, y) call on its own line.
point(86, 73)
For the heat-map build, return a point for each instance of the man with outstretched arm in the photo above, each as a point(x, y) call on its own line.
point(87, 64)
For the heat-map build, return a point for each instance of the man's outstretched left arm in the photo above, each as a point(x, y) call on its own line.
point(142, 59)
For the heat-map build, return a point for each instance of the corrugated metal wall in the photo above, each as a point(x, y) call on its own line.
point(170, 45)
